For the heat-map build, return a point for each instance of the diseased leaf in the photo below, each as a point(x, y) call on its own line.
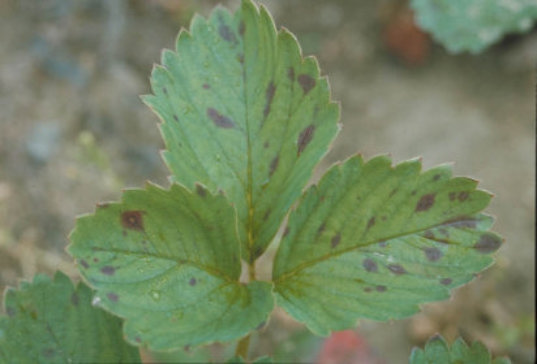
point(473, 25)
point(50, 321)
point(374, 241)
point(437, 351)
point(168, 261)
point(244, 113)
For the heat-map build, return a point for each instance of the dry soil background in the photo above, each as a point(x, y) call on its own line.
point(74, 132)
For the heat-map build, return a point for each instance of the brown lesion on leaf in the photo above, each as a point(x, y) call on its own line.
point(165, 90)
point(425, 202)
point(266, 215)
point(432, 253)
point(321, 228)
point(305, 138)
point(336, 239)
point(175, 118)
point(200, 190)
point(394, 191)
point(108, 270)
point(452, 196)
point(10, 311)
point(112, 296)
point(192, 281)
point(370, 223)
point(397, 269)
point(436, 177)
point(269, 96)
point(463, 196)
point(285, 232)
point(84, 263)
point(291, 74)
point(75, 299)
point(273, 165)
point(242, 28)
point(462, 222)
point(206, 86)
point(488, 243)
point(446, 281)
point(219, 120)
point(306, 82)
point(225, 31)
point(381, 288)
point(370, 265)
point(133, 220)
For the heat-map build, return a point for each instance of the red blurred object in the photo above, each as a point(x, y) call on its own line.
point(404, 39)
point(346, 347)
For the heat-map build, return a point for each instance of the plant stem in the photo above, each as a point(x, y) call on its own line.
point(244, 344)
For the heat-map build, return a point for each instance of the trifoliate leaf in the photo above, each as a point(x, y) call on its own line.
point(50, 321)
point(244, 113)
point(168, 261)
point(473, 25)
point(374, 241)
point(437, 351)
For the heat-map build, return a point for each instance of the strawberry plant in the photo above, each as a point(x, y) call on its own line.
point(245, 118)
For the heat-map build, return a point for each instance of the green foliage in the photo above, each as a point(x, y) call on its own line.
point(374, 241)
point(50, 321)
point(169, 263)
point(242, 112)
point(437, 351)
point(245, 119)
point(473, 25)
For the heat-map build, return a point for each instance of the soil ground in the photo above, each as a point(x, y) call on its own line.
point(74, 132)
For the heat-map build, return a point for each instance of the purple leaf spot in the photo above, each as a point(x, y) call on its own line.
point(219, 119)
point(273, 165)
point(133, 220)
point(425, 202)
point(108, 270)
point(84, 263)
point(370, 223)
point(306, 82)
point(488, 243)
point(432, 254)
point(75, 299)
point(463, 196)
point(202, 192)
point(305, 138)
point(396, 269)
point(192, 281)
point(269, 95)
point(370, 265)
point(446, 281)
point(381, 288)
point(112, 297)
point(335, 240)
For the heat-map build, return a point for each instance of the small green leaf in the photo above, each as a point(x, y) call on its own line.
point(50, 321)
point(244, 113)
point(168, 261)
point(473, 25)
point(374, 241)
point(240, 360)
point(437, 351)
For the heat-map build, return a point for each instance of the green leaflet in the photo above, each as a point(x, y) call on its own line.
point(437, 351)
point(169, 263)
point(239, 360)
point(373, 241)
point(50, 321)
point(244, 113)
point(473, 25)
